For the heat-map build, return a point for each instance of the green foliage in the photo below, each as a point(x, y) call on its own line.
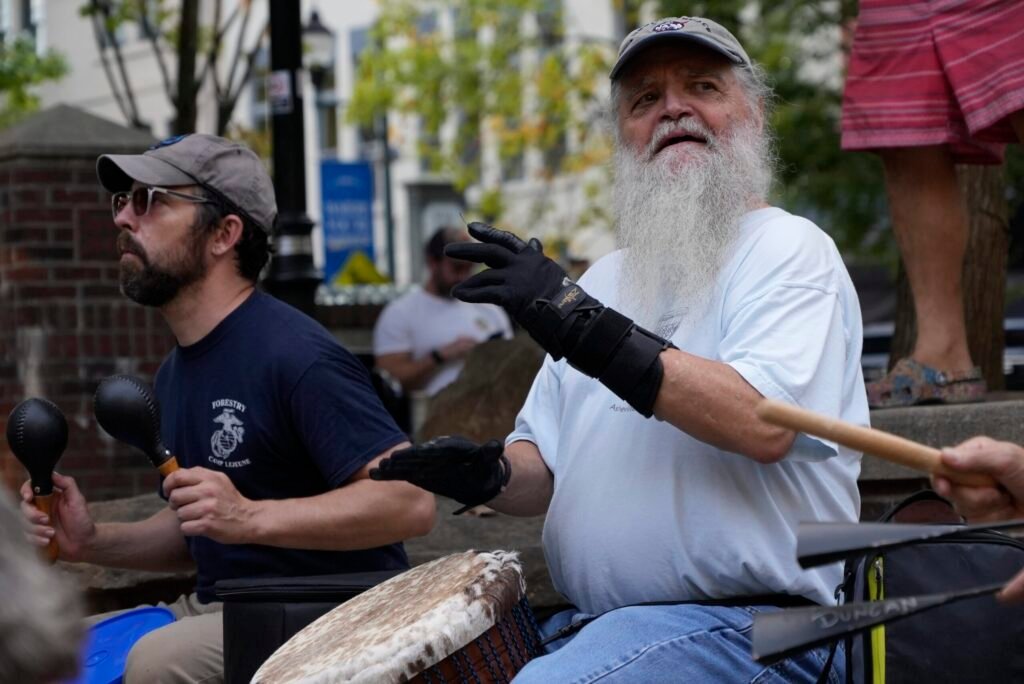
point(160, 15)
point(537, 106)
point(493, 79)
point(491, 205)
point(20, 68)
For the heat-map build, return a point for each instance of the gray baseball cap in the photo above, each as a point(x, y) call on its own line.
point(697, 30)
point(228, 168)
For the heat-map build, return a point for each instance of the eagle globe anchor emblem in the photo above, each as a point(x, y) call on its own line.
point(225, 440)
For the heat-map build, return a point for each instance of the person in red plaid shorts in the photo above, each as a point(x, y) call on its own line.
point(933, 83)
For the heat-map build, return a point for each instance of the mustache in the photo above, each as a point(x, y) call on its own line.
point(684, 126)
point(126, 244)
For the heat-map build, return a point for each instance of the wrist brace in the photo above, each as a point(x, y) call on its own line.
point(602, 343)
point(495, 487)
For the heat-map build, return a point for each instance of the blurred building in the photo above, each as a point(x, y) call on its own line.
point(420, 201)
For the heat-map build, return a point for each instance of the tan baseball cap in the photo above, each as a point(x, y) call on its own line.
point(228, 168)
point(697, 30)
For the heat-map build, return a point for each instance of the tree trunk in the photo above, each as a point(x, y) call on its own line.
point(188, 40)
point(224, 112)
point(984, 276)
point(905, 324)
point(985, 267)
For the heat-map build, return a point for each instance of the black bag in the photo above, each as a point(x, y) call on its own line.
point(974, 640)
point(261, 614)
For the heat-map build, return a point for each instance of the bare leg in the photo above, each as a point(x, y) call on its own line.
point(930, 222)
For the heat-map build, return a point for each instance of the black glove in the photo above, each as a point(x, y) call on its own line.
point(561, 316)
point(455, 467)
point(519, 275)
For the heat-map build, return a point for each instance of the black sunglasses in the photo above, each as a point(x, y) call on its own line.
point(141, 199)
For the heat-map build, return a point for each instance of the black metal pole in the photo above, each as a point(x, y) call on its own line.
point(293, 277)
point(389, 217)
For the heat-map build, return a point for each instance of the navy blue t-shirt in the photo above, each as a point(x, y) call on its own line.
point(272, 400)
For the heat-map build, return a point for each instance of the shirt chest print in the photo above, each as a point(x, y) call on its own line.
point(228, 415)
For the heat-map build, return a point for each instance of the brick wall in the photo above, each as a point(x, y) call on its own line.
point(64, 325)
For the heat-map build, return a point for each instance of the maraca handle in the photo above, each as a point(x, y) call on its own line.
point(45, 504)
point(168, 466)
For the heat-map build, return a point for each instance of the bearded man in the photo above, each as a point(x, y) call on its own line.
point(639, 438)
point(275, 425)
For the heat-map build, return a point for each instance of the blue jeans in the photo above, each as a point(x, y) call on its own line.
point(679, 643)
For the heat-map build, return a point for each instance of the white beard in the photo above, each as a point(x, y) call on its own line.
point(678, 220)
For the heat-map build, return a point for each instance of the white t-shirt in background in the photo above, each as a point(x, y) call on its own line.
point(419, 322)
point(642, 511)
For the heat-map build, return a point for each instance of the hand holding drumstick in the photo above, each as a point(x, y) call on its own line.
point(983, 478)
point(1001, 461)
point(1004, 463)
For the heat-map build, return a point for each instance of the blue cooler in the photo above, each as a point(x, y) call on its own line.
point(108, 642)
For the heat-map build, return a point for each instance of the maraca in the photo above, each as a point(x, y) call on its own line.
point(126, 408)
point(38, 435)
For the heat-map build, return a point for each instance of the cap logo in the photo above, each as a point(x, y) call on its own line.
point(169, 141)
point(668, 26)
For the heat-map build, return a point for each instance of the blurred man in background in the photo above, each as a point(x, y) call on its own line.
point(422, 338)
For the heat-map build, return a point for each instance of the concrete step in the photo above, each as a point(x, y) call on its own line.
point(883, 484)
point(944, 425)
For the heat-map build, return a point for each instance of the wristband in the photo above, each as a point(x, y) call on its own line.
point(505, 470)
point(436, 355)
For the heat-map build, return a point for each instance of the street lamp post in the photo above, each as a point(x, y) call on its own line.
point(380, 129)
point(319, 43)
point(293, 276)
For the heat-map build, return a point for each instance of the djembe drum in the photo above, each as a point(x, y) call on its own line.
point(461, 618)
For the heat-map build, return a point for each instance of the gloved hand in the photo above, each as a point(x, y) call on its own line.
point(561, 316)
point(520, 274)
point(455, 467)
point(532, 288)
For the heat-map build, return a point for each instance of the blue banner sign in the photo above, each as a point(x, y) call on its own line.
point(347, 196)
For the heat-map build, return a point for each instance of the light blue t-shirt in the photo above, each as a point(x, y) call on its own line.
point(643, 512)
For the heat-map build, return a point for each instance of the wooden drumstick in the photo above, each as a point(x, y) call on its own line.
point(875, 442)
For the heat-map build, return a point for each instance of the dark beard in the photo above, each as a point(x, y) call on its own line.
point(443, 290)
point(155, 286)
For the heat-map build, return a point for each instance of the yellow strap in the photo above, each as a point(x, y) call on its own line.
point(876, 592)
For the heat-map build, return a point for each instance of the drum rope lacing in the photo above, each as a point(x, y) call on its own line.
point(520, 649)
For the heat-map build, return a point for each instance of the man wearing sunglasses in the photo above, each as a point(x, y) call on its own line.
point(275, 425)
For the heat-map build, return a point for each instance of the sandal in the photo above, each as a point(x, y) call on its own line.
point(910, 383)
